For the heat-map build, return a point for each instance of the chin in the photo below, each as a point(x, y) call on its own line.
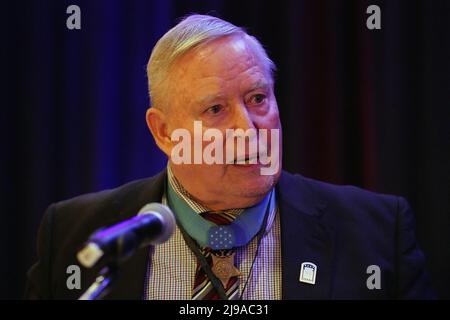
point(256, 186)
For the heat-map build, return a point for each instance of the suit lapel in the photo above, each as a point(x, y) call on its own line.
point(133, 273)
point(305, 237)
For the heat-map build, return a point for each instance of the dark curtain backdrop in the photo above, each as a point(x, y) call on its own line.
point(369, 108)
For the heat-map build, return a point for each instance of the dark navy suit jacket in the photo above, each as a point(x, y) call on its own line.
point(341, 229)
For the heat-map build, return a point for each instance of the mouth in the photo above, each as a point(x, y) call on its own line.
point(245, 160)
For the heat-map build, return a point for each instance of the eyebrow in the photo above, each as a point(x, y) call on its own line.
point(260, 84)
point(209, 97)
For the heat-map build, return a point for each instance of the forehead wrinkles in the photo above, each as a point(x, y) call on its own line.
point(226, 58)
point(220, 62)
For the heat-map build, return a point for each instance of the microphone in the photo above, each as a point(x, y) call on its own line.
point(154, 224)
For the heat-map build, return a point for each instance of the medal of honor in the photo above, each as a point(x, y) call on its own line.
point(224, 269)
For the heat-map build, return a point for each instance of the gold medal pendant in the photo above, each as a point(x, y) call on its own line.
point(224, 269)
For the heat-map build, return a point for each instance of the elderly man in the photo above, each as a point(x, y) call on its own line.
point(243, 231)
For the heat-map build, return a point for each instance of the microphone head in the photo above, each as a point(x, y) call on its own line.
point(165, 215)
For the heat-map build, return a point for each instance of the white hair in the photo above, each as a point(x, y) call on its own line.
point(189, 33)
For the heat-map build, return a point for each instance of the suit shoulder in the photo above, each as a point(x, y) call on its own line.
point(73, 220)
point(347, 199)
point(347, 192)
point(98, 198)
point(107, 205)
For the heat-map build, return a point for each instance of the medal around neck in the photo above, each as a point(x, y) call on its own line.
point(224, 269)
point(207, 234)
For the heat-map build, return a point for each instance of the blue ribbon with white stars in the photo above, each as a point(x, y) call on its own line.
point(217, 237)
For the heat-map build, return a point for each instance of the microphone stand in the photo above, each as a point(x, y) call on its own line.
point(102, 284)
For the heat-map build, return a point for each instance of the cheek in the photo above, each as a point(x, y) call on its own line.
point(274, 115)
point(174, 122)
point(270, 120)
point(181, 120)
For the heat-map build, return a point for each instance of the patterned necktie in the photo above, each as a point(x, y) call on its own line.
point(203, 288)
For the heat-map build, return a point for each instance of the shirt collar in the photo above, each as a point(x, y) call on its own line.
point(240, 232)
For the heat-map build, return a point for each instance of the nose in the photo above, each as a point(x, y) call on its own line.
point(242, 118)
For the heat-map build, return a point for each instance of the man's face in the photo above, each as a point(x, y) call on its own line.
point(224, 85)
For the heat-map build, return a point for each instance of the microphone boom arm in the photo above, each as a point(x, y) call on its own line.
point(102, 284)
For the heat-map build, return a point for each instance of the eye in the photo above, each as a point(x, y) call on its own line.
point(214, 109)
point(257, 99)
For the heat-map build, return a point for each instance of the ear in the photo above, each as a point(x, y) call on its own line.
point(156, 122)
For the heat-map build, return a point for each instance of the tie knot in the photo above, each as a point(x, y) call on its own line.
point(218, 217)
